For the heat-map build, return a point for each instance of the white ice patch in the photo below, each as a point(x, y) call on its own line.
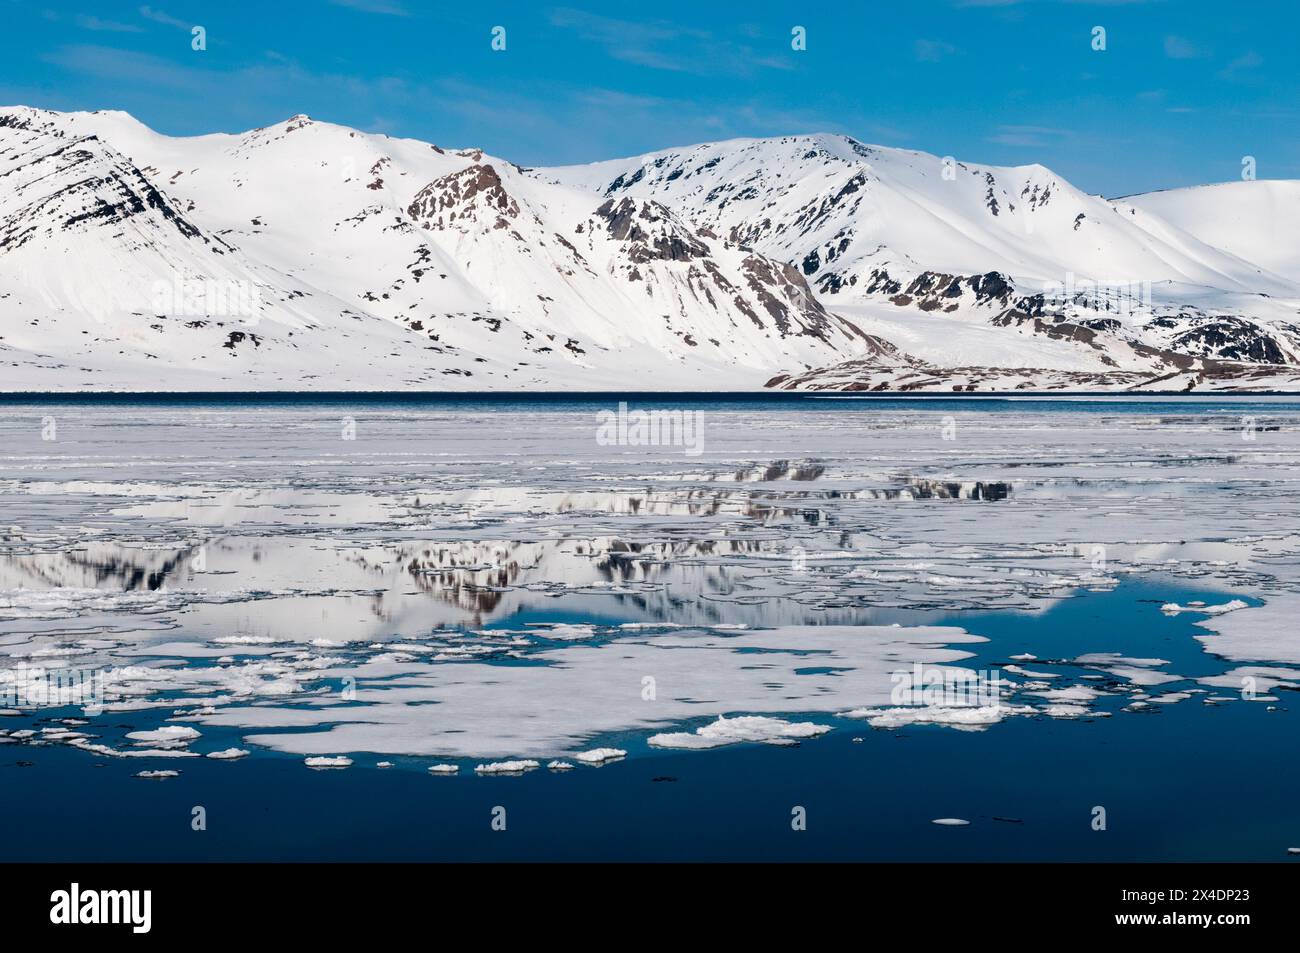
point(229, 754)
point(1253, 679)
point(1017, 670)
point(338, 761)
point(964, 719)
point(507, 767)
point(1138, 671)
point(1173, 608)
point(747, 728)
point(1257, 633)
point(166, 736)
point(599, 756)
point(95, 748)
point(484, 709)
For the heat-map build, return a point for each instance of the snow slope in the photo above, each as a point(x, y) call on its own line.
point(372, 262)
point(1256, 221)
point(309, 255)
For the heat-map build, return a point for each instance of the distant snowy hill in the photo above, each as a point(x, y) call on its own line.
point(310, 255)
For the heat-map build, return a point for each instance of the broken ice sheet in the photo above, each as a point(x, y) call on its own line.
point(494, 586)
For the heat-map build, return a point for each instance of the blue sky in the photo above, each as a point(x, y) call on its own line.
point(1183, 90)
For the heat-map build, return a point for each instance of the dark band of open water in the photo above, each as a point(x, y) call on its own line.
point(1099, 402)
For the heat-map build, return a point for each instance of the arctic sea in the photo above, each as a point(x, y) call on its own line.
point(484, 581)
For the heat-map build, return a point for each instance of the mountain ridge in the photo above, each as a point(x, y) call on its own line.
point(799, 261)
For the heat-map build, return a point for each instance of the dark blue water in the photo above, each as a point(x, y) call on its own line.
point(1019, 403)
point(1187, 781)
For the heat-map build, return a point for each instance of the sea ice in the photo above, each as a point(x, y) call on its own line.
point(600, 756)
point(229, 754)
point(339, 761)
point(507, 767)
point(747, 728)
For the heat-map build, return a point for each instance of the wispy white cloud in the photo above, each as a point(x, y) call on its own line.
point(673, 47)
point(97, 24)
point(163, 17)
point(1181, 48)
point(1242, 65)
point(932, 51)
point(385, 7)
point(1037, 137)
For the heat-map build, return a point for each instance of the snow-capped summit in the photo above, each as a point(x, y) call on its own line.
point(305, 254)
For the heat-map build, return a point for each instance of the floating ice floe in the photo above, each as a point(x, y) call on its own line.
point(1065, 711)
point(507, 767)
point(322, 761)
point(1073, 695)
point(1173, 608)
point(229, 754)
point(1256, 633)
point(159, 775)
point(950, 822)
point(560, 766)
point(599, 756)
point(444, 768)
point(747, 728)
point(564, 632)
point(1137, 671)
point(973, 718)
point(168, 735)
point(1017, 670)
point(1250, 680)
point(95, 748)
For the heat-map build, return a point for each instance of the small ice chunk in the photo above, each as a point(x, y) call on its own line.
point(599, 756)
point(727, 731)
point(384, 764)
point(229, 754)
point(444, 768)
point(1017, 670)
point(1173, 608)
point(168, 734)
point(159, 775)
point(328, 761)
point(1065, 711)
point(965, 719)
point(507, 767)
point(950, 822)
point(560, 766)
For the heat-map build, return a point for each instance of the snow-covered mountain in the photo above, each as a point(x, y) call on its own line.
point(310, 255)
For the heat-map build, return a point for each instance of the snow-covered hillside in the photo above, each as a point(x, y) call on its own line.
point(310, 255)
